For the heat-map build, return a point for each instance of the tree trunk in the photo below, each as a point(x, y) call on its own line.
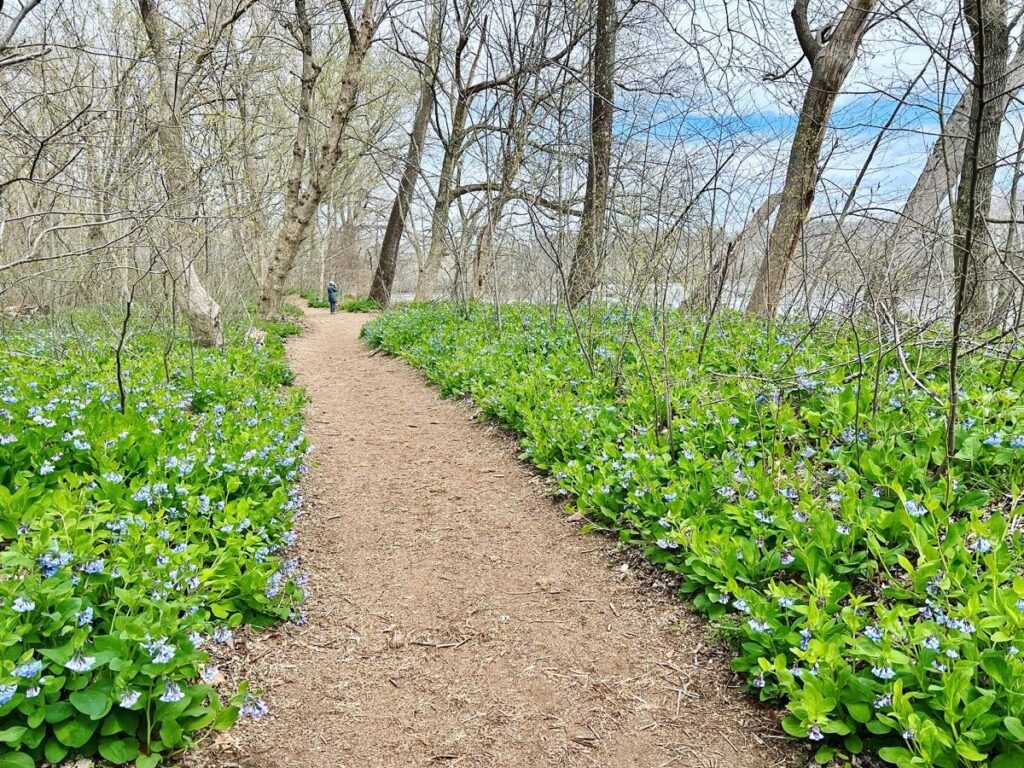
point(1007, 292)
point(711, 285)
point(511, 162)
point(990, 33)
point(484, 257)
point(588, 259)
point(426, 281)
point(830, 64)
point(301, 205)
point(387, 264)
point(942, 169)
point(201, 311)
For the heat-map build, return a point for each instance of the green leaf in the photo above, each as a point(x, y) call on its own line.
point(970, 449)
point(794, 727)
point(860, 712)
point(897, 755)
point(226, 718)
point(12, 734)
point(1015, 727)
point(147, 761)
point(92, 702)
point(119, 751)
point(170, 733)
point(59, 710)
point(54, 751)
point(74, 732)
point(968, 751)
point(824, 755)
point(1009, 760)
point(16, 760)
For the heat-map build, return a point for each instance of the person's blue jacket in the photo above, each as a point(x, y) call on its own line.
point(332, 294)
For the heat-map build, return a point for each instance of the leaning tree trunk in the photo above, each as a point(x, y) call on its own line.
point(942, 169)
point(830, 64)
point(387, 264)
point(1007, 291)
point(990, 33)
point(714, 280)
point(199, 307)
point(587, 261)
point(301, 205)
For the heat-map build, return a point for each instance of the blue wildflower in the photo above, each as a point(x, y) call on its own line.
point(29, 670)
point(883, 673)
point(222, 635)
point(160, 651)
point(805, 639)
point(172, 693)
point(80, 663)
point(209, 674)
point(980, 545)
point(22, 605)
point(253, 707)
point(914, 508)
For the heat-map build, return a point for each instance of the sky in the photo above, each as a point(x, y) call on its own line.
point(729, 45)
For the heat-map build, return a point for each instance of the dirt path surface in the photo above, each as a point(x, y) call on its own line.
point(455, 617)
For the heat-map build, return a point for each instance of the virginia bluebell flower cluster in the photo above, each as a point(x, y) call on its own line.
point(798, 493)
point(130, 539)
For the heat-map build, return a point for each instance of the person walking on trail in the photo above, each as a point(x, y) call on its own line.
point(332, 296)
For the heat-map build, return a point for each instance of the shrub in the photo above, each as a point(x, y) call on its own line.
point(796, 487)
point(358, 304)
point(132, 541)
point(315, 299)
point(345, 304)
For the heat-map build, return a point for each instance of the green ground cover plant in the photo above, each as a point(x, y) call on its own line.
point(358, 304)
point(345, 304)
point(140, 525)
point(315, 299)
point(797, 484)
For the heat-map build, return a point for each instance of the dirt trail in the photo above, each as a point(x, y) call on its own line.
point(455, 617)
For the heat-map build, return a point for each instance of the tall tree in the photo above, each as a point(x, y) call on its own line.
point(587, 262)
point(524, 63)
point(302, 197)
point(387, 263)
point(831, 58)
point(201, 310)
point(990, 36)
